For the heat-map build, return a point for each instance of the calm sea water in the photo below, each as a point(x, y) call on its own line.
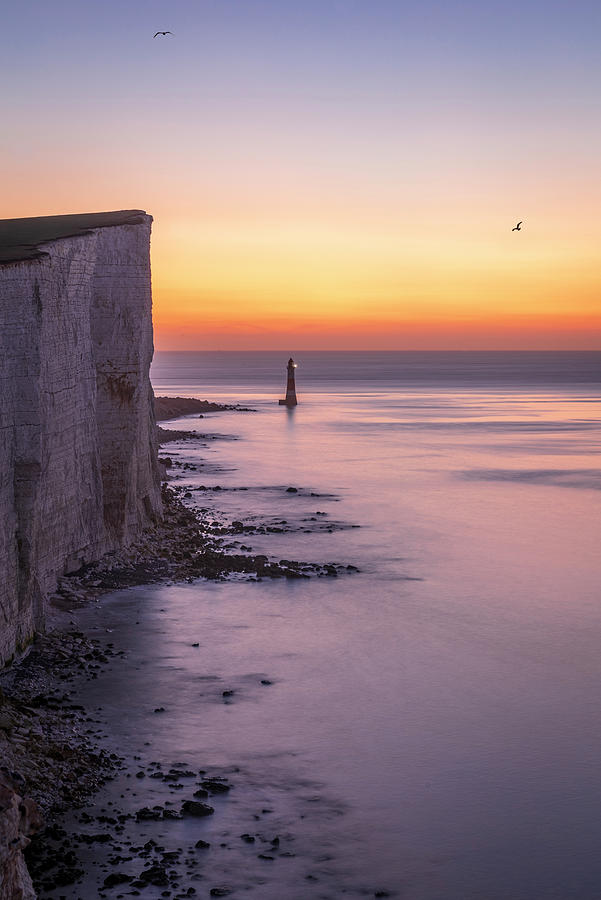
point(434, 724)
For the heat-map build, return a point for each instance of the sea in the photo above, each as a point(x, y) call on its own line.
point(428, 728)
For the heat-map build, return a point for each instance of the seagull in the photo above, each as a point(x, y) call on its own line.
point(517, 227)
point(162, 32)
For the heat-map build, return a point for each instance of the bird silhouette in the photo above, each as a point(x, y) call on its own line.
point(517, 227)
point(161, 32)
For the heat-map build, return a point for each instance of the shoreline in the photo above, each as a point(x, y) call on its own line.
point(53, 761)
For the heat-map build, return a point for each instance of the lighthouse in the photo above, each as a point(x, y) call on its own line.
point(290, 400)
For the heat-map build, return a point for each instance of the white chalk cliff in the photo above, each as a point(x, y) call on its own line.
point(78, 464)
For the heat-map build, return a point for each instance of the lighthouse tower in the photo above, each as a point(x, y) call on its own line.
point(290, 400)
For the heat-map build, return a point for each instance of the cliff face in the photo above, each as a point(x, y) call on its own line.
point(18, 819)
point(79, 473)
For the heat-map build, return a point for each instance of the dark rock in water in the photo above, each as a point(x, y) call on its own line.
point(116, 878)
point(292, 490)
point(174, 407)
point(201, 794)
point(381, 894)
point(227, 694)
point(194, 808)
point(220, 892)
point(266, 681)
point(182, 773)
point(171, 814)
point(160, 709)
point(94, 838)
point(147, 814)
point(202, 845)
point(197, 644)
point(264, 856)
point(247, 838)
point(156, 875)
point(65, 877)
point(215, 787)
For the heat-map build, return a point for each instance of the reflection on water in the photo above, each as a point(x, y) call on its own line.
point(576, 478)
point(290, 410)
point(431, 726)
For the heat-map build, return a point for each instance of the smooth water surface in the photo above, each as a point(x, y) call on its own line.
point(434, 724)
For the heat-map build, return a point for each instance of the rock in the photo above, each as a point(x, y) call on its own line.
point(116, 878)
point(215, 787)
point(148, 814)
point(156, 875)
point(18, 820)
point(182, 773)
point(94, 838)
point(292, 490)
point(67, 876)
point(174, 407)
point(202, 845)
point(6, 722)
point(195, 808)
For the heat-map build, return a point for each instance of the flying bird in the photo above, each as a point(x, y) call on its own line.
point(162, 32)
point(517, 227)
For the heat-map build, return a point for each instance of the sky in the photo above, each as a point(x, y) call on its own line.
point(332, 174)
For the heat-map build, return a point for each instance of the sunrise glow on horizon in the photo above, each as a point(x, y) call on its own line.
point(338, 175)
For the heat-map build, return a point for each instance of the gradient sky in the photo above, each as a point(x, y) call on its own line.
point(332, 174)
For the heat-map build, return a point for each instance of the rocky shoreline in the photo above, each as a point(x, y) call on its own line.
point(51, 756)
point(50, 759)
point(174, 407)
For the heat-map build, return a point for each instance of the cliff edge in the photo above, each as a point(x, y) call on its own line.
point(79, 473)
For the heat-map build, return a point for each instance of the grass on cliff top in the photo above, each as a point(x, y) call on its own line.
point(21, 238)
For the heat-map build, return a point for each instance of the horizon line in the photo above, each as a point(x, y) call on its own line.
point(376, 350)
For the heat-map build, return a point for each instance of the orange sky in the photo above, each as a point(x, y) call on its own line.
point(389, 285)
point(341, 175)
